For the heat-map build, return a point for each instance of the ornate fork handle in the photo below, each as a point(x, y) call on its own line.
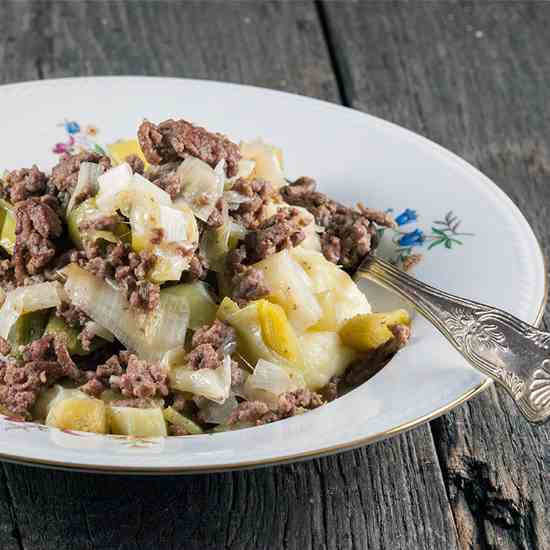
point(510, 351)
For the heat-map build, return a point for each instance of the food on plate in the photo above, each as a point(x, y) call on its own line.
point(181, 285)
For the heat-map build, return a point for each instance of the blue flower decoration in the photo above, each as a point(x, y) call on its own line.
point(412, 238)
point(72, 127)
point(406, 217)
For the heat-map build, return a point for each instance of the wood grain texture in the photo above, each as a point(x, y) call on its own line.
point(389, 495)
point(475, 79)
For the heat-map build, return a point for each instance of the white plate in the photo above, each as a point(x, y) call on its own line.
point(354, 157)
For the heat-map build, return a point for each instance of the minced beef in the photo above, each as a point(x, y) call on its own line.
point(65, 174)
point(249, 412)
point(218, 216)
point(368, 365)
point(203, 356)
point(142, 379)
point(253, 212)
point(129, 269)
point(249, 286)
point(178, 139)
point(349, 234)
point(218, 335)
point(102, 222)
point(7, 275)
point(37, 224)
point(136, 164)
point(282, 230)
point(20, 185)
point(43, 362)
point(165, 176)
point(99, 380)
point(248, 283)
point(72, 315)
point(209, 344)
point(198, 267)
point(289, 404)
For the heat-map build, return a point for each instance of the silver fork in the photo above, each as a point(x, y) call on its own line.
point(513, 353)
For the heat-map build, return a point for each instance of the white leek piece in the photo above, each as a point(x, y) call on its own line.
point(214, 384)
point(201, 186)
point(149, 335)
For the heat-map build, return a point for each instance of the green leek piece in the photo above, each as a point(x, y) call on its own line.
point(7, 226)
point(177, 419)
point(202, 308)
point(59, 327)
point(29, 327)
point(88, 210)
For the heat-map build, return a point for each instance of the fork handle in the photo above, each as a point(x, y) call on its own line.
point(501, 346)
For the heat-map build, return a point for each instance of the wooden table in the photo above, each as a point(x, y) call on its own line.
point(474, 78)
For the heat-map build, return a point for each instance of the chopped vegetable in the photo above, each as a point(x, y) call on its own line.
point(270, 380)
point(215, 246)
point(366, 332)
point(324, 356)
point(214, 384)
point(277, 332)
point(50, 397)
point(84, 414)
point(227, 308)
point(137, 422)
point(268, 161)
point(151, 336)
point(27, 328)
point(27, 299)
point(123, 148)
point(291, 288)
point(174, 417)
point(202, 308)
point(87, 211)
point(201, 186)
point(215, 413)
point(88, 175)
point(7, 226)
point(60, 328)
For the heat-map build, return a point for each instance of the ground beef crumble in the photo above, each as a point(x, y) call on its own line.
point(42, 362)
point(20, 185)
point(129, 269)
point(254, 211)
point(209, 344)
point(142, 379)
point(7, 275)
point(136, 164)
point(37, 224)
point(368, 365)
point(72, 315)
point(282, 230)
point(349, 234)
point(247, 282)
point(178, 139)
point(65, 174)
point(99, 380)
point(289, 404)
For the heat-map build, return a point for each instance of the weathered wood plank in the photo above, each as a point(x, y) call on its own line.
point(390, 495)
point(473, 78)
